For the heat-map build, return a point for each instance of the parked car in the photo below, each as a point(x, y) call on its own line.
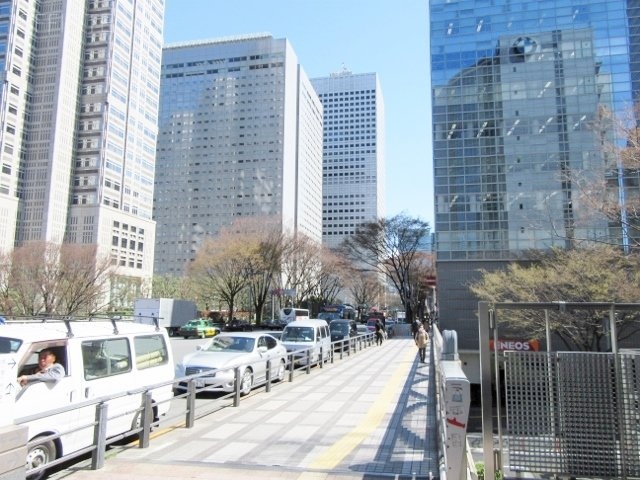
point(200, 327)
point(274, 324)
point(220, 355)
point(341, 332)
point(363, 329)
point(238, 325)
point(312, 335)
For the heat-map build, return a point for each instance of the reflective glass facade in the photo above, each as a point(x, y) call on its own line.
point(517, 88)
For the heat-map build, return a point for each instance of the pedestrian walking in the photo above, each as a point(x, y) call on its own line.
point(422, 338)
point(415, 325)
point(379, 332)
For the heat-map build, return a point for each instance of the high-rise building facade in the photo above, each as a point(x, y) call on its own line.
point(517, 89)
point(78, 111)
point(240, 135)
point(353, 170)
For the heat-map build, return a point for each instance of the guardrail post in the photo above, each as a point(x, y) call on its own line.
point(268, 377)
point(321, 357)
point(308, 369)
point(191, 404)
point(99, 436)
point(291, 367)
point(236, 382)
point(147, 418)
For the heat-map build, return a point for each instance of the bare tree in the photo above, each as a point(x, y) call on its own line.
point(389, 247)
point(53, 279)
point(171, 286)
point(300, 267)
point(85, 276)
point(220, 269)
point(6, 300)
point(366, 288)
point(332, 272)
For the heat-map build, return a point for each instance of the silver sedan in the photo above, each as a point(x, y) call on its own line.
point(223, 353)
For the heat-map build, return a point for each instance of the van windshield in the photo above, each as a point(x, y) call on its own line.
point(9, 345)
point(297, 334)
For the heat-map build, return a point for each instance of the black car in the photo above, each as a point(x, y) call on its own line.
point(237, 325)
point(274, 324)
point(342, 331)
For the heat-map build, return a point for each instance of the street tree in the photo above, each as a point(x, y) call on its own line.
point(300, 266)
point(332, 273)
point(54, 279)
point(366, 288)
point(594, 274)
point(389, 246)
point(220, 270)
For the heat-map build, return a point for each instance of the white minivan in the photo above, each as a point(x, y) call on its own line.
point(100, 359)
point(312, 335)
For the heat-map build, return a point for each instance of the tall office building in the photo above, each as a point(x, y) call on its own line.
point(240, 135)
point(78, 110)
point(517, 88)
point(353, 169)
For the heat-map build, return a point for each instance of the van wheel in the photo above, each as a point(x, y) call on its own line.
point(247, 382)
point(39, 455)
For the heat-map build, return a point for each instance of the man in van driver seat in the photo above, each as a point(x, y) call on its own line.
point(46, 371)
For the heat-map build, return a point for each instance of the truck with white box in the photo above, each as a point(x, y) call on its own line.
point(171, 313)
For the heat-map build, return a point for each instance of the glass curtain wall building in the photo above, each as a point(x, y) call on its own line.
point(353, 171)
point(78, 110)
point(517, 89)
point(240, 137)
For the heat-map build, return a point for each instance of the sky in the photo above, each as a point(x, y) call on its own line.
point(386, 37)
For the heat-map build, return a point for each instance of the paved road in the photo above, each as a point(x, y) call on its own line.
point(369, 416)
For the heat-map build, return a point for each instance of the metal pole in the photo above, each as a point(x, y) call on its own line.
point(484, 324)
point(147, 417)
point(267, 387)
point(99, 436)
point(191, 404)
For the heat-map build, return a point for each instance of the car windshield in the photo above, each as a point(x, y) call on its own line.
point(342, 328)
point(231, 344)
point(298, 334)
point(192, 323)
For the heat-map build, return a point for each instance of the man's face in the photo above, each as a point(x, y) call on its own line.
point(46, 359)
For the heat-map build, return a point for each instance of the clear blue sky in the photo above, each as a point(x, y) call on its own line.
point(387, 37)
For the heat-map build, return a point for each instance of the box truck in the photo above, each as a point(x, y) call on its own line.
point(170, 313)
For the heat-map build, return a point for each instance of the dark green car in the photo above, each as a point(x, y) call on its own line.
point(199, 327)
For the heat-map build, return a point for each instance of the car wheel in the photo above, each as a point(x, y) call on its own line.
point(185, 336)
point(246, 383)
point(281, 372)
point(40, 455)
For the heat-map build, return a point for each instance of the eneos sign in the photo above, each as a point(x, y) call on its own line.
point(518, 345)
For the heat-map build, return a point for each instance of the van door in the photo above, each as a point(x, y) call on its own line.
point(106, 368)
point(38, 396)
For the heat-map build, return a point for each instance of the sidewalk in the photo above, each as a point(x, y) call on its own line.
point(369, 416)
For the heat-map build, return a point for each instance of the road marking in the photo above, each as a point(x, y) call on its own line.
point(333, 455)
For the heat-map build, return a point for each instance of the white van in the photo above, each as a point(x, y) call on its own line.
point(305, 334)
point(100, 358)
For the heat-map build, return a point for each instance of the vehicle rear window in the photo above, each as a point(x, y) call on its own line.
point(9, 345)
point(151, 351)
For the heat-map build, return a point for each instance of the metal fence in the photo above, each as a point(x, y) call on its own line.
point(573, 413)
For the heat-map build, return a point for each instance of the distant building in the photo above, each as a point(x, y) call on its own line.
point(78, 109)
point(240, 135)
point(353, 166)
point(517, 88)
